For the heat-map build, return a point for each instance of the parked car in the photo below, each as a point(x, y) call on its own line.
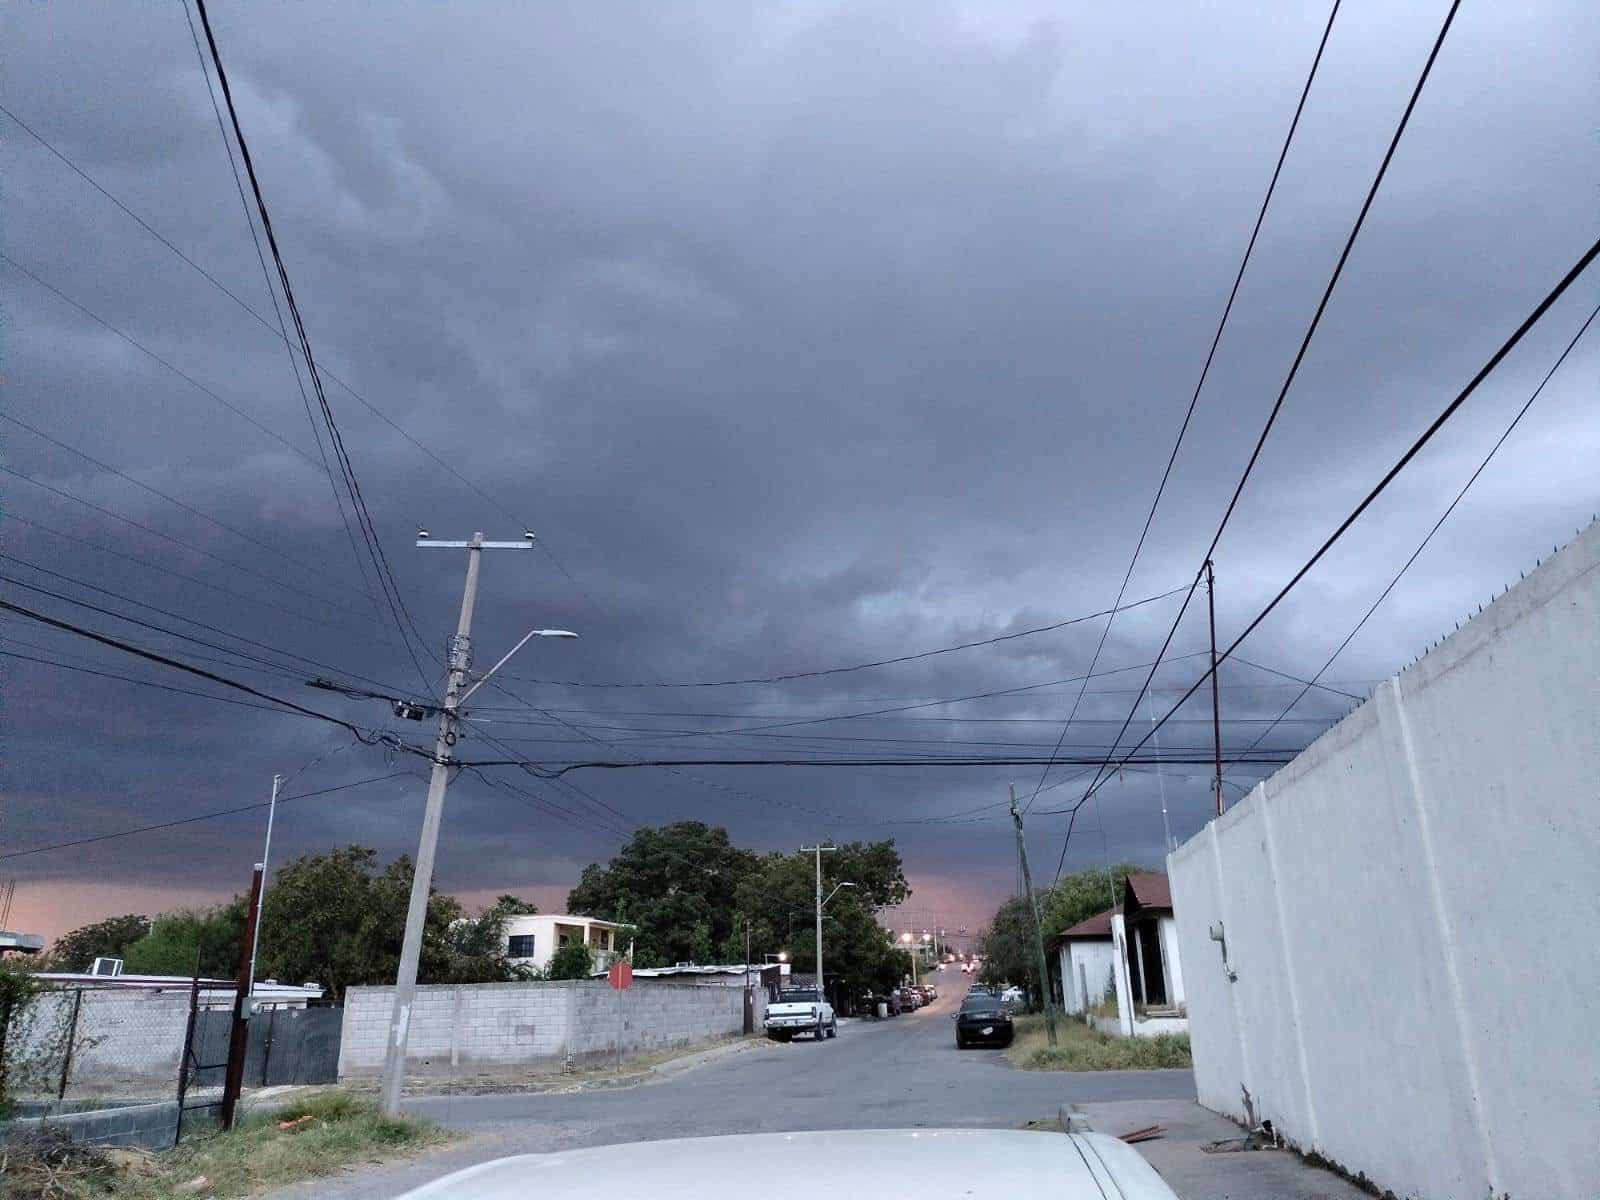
point(1013, 995)
point(869, 1004)
point(929, 992)
point(982, 1020)
point(931, 1163)
point(800, 1010)
point(910, 1000)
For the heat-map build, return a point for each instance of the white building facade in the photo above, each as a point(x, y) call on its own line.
point(532, 941)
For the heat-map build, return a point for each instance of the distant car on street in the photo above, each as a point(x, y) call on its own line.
point(983, 1020)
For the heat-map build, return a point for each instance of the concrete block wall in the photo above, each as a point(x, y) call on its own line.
point(127, 1043)
point(533, 1028)
point(1410, 910)
point(151, 1126)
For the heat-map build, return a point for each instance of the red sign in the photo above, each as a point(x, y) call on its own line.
point(620, 976)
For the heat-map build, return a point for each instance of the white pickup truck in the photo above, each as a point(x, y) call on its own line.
point(800, 1010)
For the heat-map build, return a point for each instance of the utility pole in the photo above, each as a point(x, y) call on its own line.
point(261, 898)
point(1216, 704)
point(239, 1031)
point(1038, 928)
point(405, 985)
point(819, 851)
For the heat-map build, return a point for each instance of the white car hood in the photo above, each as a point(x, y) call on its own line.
point(931, 1164)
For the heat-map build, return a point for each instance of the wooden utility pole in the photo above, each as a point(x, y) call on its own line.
point(1038, 928)
point(1216, 704)
point(239, 1034)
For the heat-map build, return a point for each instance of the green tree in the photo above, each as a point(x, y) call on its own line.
point(778, 899)
point(178, 941)
point(1007, 942)
point(476, 946)
point(571, 961)
point(110, 938)
point(337, 919)
point(675, 884)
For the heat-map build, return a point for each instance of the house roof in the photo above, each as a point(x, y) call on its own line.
point(1150, 890)
point(1097, 926)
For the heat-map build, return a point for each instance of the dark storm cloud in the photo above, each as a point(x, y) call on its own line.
point(804, 335)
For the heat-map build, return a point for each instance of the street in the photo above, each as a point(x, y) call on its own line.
point(898, 1073)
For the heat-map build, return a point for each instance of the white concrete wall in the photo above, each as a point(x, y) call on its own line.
point(532, 1028)
point(1411, 909)
point(1095, 959)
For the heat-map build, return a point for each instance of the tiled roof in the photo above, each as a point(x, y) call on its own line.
point(1150, 890)
point(1097, 926)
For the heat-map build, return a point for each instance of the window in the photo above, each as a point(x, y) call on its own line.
point(520, 946)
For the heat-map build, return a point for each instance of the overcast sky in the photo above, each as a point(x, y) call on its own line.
point(803, 335)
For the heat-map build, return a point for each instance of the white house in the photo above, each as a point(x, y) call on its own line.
point(532, 941)
point(1088, 962)
point(1149, 977)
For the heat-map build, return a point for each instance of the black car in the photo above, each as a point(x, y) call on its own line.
point(983, 1020)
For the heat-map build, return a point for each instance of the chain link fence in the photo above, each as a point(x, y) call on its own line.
point(74, 1050)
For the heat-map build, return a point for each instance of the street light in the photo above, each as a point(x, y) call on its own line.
point(835, 892)
point(906, 939)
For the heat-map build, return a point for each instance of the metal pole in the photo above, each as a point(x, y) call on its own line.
point(188, 1047)
point(818, 850)
point(72, 1036)
point(405, 984)
point(1161, 780)
point(239, 1034)
point(1216, 704)
point(266, 849)
point(1038, 929)
point(749, 996)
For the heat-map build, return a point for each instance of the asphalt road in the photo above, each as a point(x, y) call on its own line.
point(900, 1073)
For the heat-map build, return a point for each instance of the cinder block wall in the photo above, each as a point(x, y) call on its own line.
point(532, 1028)
point(1410, 909)
point(127, 1043)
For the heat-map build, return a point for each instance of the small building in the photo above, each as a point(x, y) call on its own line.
point(1087, 963)
point(532, 941)
point(1150, 998)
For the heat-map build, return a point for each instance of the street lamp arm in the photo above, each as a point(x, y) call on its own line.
point(835, 892)
point(526, 638)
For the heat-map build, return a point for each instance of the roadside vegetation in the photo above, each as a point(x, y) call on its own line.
point(310, 1139)
point(1081, 1048)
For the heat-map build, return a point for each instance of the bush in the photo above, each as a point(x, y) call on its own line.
point(572, 961)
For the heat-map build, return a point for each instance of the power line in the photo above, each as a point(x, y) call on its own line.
point(210, 816)
point(166, 613)
point(363, 735)
point(861, 666)
point(167, 537)
point(1305, 341)
point(1205, 371)
point(142, 682)
point(1411, 452)
point(1428, 537)
point(142, 562)
point(380, 561)
point(283, 333)
point(280, 333)
point(154, 491)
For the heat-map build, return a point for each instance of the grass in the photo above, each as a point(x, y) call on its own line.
point(255, 1156)
point(1081, 1048)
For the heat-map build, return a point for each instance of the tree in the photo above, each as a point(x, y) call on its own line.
point(571, 961)
point(182, 941)
point(778, 899)
point(76, 951)
point(337, 920)
point(676, 885)
point(477, 945)
point(1007, 942)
